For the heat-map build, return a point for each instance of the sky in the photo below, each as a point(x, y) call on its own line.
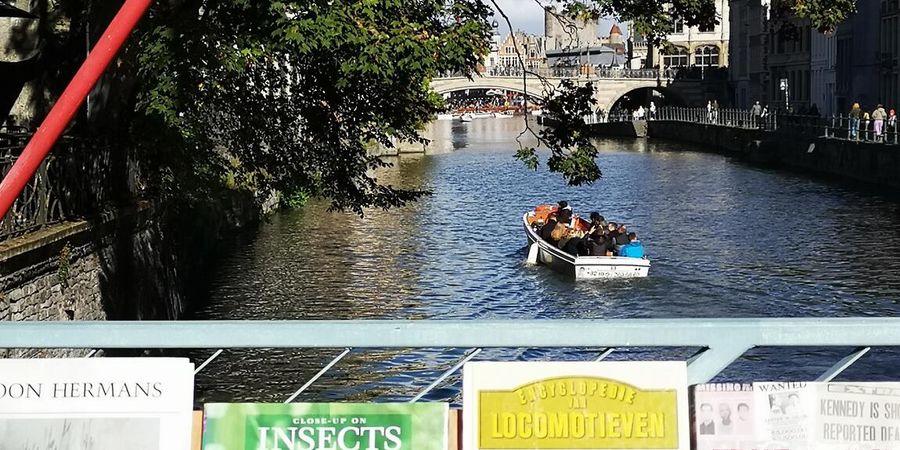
point(528, 16)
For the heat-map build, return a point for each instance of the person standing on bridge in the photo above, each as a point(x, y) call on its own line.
point(891, 128)
point(709, 111)
point(878, 117)
point(854, 121)
point(756, 113)
point(652, 111)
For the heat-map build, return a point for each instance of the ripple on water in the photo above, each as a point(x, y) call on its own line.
point(725, 239)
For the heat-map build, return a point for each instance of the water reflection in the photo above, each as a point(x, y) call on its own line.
point(726, 240)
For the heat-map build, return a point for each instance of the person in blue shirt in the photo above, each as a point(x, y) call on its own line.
point(633, 249)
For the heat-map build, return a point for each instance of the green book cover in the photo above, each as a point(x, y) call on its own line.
point(325, 426)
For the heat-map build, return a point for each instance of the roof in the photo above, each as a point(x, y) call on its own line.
point(615, 30)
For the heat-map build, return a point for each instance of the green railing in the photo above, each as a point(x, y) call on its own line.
point(721, 341)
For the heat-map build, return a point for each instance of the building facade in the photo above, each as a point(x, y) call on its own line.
point(889, 38)
point(696, 46)
point(565, 33)
point(789, 66)
point(748, 50)
point(858, 67)
point(519, 44)
point(822, 63)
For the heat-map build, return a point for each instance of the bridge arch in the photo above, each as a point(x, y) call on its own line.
point(533, 86)
point(630, 97)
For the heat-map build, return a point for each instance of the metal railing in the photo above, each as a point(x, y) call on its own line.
point(585, 71)
point(721, 341)
point(729, 117)
point(77, 180)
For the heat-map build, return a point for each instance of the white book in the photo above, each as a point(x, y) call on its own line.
point(96, 403)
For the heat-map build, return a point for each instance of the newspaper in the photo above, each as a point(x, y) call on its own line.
point(785, 415)
point(97, 403)
point(723, 416)
point(857, 416)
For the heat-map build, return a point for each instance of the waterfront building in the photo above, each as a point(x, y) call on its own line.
point(566, 33)
point(492, 59)
point(890, 53)
point(788, 63)
point(530, 47)
point(607, 52)
point(822, 62)
point(638, 51)
point(858, 59)
point(747, 71)
point(696, 46)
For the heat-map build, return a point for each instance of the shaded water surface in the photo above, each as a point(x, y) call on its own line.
point(725, 240)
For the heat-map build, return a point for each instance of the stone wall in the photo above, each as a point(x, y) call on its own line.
point(637, 128)
point(138, 264)
point(871, 163)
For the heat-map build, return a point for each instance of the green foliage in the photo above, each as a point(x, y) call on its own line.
point(294, 200)
point(294, 91)
point(65, 265)
point(573, 155)
point(288, 95)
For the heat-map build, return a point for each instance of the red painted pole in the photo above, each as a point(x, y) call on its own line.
point(67, 105)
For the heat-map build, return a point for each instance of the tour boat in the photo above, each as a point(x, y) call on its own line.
point(445, 116)
point(466, 117)
point(499, 115)
point(580, 267)
point(482, 115)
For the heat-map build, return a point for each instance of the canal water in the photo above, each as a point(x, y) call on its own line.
point(725, 240)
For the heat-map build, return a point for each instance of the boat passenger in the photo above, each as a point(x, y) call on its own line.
point(572, 242)
point(622, 235)
point(549, 226)
point(564, 216)
point(634, 248)
point(598, 245)
point(597, 221)
point(612, 230)
point(559, 232)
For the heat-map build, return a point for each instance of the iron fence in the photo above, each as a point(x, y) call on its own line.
point(585, 71)
point(76, 180)
point(729, 117)
point(720, 341)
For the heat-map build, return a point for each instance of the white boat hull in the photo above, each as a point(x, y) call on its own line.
point(445, 117)
point(585, 267)
point(466, 117)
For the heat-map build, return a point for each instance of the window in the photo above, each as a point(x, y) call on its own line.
point(706, 56)
point(679, 26)
point(708, 28)
point(678, 57)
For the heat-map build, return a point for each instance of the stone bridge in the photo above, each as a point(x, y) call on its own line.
point(607, 90)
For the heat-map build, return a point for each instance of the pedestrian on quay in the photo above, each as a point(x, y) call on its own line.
point(709, 111)
point(855, 114)
point(756, 113)
point(765, 116)
point(653, 110)
point(865, 125)
point(878, 117)
point(892, 125)
point(715, 111)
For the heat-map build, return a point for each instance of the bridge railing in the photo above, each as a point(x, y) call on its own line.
point(720, 341)
point(730, 117)
point(569, 72)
